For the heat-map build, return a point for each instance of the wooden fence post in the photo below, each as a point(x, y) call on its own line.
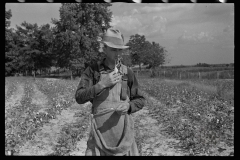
point(164, 73)
point(71, 75)
point(180, 75)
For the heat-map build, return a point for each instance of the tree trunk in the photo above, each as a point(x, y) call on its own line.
point(140, 67)
point(71, 75)
point(153, 74)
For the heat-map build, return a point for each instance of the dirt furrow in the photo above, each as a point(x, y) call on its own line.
point(154, 141)
point(39, 99)
point(47, 136)
point(81, 145)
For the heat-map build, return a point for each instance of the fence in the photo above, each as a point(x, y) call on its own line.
point(174, 74)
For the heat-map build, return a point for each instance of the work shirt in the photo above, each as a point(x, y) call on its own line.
point(89, 88)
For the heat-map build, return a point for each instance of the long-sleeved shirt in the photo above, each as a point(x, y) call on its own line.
point(88, 87)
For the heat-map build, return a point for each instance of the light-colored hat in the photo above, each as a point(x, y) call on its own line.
point(113, 38)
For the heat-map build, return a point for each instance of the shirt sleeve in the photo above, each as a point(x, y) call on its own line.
point(86, 91)
point(137, 101)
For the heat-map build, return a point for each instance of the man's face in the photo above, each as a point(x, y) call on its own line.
point(112, 53)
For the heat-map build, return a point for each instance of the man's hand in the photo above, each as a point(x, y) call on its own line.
point(110, 79)
point(123, 108)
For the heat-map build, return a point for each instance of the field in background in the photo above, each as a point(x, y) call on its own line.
point(174, 72)
point(42, 117)
point(188, 73)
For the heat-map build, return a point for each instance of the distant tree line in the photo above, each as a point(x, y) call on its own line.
point(200, 65)
point(71, 43)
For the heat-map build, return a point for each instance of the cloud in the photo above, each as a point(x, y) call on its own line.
point(225, 39)
point(148, 25)
point(229, 28)
point(127, 23)
point(201, 13)
point(197, 38)
point(217, 10)
point(166, 7)
point(135, 11)
point(40, 13)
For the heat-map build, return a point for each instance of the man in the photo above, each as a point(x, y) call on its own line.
point(114, 96)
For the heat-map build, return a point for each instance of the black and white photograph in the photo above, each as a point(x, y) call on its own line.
point(119, 79)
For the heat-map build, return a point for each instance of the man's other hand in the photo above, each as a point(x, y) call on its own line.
point(123, 108)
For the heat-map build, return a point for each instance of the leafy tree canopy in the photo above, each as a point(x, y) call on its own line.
point(77, 30)
point(143, 51)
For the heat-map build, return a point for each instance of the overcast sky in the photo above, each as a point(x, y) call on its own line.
point(191, 33)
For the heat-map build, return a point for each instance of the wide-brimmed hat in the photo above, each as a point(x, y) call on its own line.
point(113, 38)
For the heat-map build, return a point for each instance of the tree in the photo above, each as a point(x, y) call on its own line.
point(9, 57)
point(76, 33)
point(155, 56)
point(17, 63)
point(29, 52)
point(202, 65)
point(12, 43)
point(8, 15)
point(44, 36)
point(137, 48)
point(35, 48)
point(143, 51)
